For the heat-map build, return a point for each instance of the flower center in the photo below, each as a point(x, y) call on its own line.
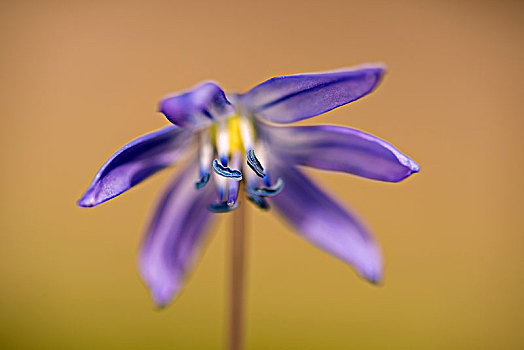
point(228, 142)
point(235, 138)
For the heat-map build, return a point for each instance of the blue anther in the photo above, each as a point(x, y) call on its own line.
point(258, 201)
point(254, 163)
point(226, 172)
point(270, 191)
point(203, 181)
point(222, 207)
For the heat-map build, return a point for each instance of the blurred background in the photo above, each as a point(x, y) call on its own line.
point(81, 78)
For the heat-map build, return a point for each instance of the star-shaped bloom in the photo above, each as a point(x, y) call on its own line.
point(237, 138)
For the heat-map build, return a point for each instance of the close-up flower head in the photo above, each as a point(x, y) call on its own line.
point(282, 136)
point(240, 148)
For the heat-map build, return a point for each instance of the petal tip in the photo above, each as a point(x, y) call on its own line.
point(160, 307)
point(162, 292)
point(412, 168)
point(415, 167)
point(377, 68)
point(373, 273)
point(377, 282)
point(92, 199)
point(410, 164)
point(87, 201)
point(162, 299)
point(375, 278)
point(380, 67)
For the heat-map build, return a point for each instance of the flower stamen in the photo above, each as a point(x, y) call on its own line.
point(205, 155)
point(247, 132)
point(222, 141)
point(233, 184)
point(203, 181)
point(221, 184)
point(222, 207)
point(226, 171)
point(254, 163)
point(258, 201)
point(270, 191)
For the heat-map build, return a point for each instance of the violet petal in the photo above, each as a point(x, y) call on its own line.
point(173, 239)
point(338, 148)
point(134, 162)
point(291, 98)
point(323, 222)
point(199, 107)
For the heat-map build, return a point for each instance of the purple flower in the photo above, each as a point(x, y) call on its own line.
point(237, 137)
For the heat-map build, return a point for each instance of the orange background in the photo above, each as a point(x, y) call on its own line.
point(79, 79)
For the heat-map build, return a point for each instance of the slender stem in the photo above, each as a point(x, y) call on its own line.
point(236, 302)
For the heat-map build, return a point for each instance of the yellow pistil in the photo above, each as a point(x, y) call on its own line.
point(235, 138)
point(234, 132)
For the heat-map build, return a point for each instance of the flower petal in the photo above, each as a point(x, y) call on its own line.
point(323, 222)
point(134, 162)
point(295, 97)
point(198, 107)
point(338, 148)
point(172, 242)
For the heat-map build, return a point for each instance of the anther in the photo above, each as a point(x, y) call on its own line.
point(226, 171)
point(270, 191)
point(203, 181)
point(258, 201)
point(254, 163)
point(222, 207)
